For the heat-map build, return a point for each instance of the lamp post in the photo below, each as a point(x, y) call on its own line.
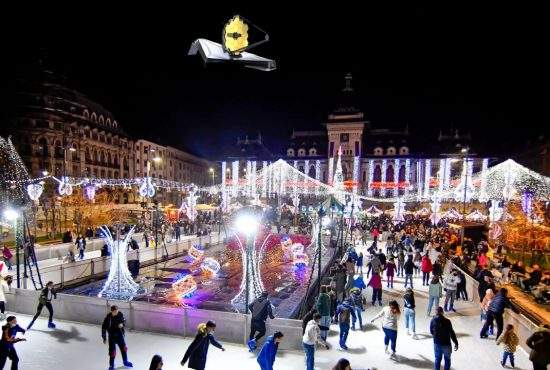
point(11, 215)
point(248, 225)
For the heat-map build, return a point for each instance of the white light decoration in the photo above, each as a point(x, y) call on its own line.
point(296, 202)
point(447, 178)
point(407, 176)
point(90, 192)
point(461, 194)
point(147, 190)
point(248, 177)
point(396, 168)
point(495, 211)
point(422, 212)
point(427, 177)
point(224, 205)
point(224, 173)
point(373, 211)
point(253, 179)
point(338, 183)
point(435, 206)
point(356, 161)
point(35, 191)
point(527, 203)
point(452, 214)
point(483, 197)
point(398, 211)
point(191, 205)
point(264, 180)
point(306, 171)
point(419, 180)
point(371, 176)
point(317, 175)
point(235, 180)
point(441, 175)
point(295, 178)
point(210, 266)
point(508, 190)
point(383, 179)
point(476, 216)
point(330, 170)
point(119, 284)
point(64, 187)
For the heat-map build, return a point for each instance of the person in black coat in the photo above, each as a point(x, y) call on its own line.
point(45, 299)
point(261, 308)
point(198, 349)
point(114, 325)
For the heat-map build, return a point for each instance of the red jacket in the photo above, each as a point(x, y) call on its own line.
point(426, 265)
point(375, 281)
point(375, 232)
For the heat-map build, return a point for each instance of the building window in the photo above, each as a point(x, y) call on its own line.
point(344, 138)
point(301, 152)
point(357, 152)
point(43, 147)
point(290, 153)
point(378, 151)
point(391, 150)
point(115, 124)
point(404, 150)
point(101, 120)
point(313, 152)
point(86, 114)
point(108, 122)
point(94, 117)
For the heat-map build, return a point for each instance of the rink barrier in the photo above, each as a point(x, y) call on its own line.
point(147, 317)
point(523, 326)
point(79, 271)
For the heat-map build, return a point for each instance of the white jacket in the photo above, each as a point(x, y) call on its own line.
point(451, 282)
point(4, 287)
point(312, 335)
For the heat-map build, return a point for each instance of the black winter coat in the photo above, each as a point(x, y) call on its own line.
point(198, 350)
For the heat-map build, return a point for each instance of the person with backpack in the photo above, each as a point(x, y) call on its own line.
point(344, 311)
point(408, 268)
point(266, 357)
point(197, 351)
point(390, 317)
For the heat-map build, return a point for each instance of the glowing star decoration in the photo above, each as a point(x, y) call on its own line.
point(435, 206)
point(210, 266)
point(146, 189)
point(185, 286)
point(35, 191)
point(495, 211)
point(119, 284)
point(399, 211)
point(90, 191)
point(64, 188)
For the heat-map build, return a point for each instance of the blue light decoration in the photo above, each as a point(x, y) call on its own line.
point(527, 203)
point(146, 189)
point(120, 284)
point(184, 286)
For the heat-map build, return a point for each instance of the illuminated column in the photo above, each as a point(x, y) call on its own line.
point(407, 175)
point(383, 178)
point(371, 175)
point(441, 175)
point(306, 172)
point(419, 179)
point(253, 179)
point(427, 175)
point(317, 175)
point(483, 186)
point(356, 173)
point(235, 174)
point(265, 175)
point(330, 170)
point(396, 177)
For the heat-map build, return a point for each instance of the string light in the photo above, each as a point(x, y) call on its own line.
point(427, 176)
point(396, 176)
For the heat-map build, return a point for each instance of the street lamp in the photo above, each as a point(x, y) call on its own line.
point(11, 215)
point(248, 225)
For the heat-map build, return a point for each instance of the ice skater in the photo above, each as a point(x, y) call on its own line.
point(7, 350)
point(45, 299)
point(114, 325)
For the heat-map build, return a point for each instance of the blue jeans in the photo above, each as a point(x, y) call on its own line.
point(325, 321)
point(344, 330)
point(410, 319)
point(390, 335)
point(505, 355)
point(81, 253)
point(445, 352)
point(358, 314)
point(410, 278)
point(310, 355)
point(431, 301)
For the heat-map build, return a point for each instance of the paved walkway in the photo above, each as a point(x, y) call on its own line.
point(79, 346)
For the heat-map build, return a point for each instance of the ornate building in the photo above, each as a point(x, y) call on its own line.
point(378, 162)
point(60, 131)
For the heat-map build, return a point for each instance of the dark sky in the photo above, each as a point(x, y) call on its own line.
point(472, 68)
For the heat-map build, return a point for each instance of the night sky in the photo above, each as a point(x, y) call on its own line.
point(469, 68)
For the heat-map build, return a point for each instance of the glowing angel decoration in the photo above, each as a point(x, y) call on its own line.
point(119, 284)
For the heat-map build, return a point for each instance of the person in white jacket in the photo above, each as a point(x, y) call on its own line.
point(4, 288)
point(450, 285)
point(312, 336)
